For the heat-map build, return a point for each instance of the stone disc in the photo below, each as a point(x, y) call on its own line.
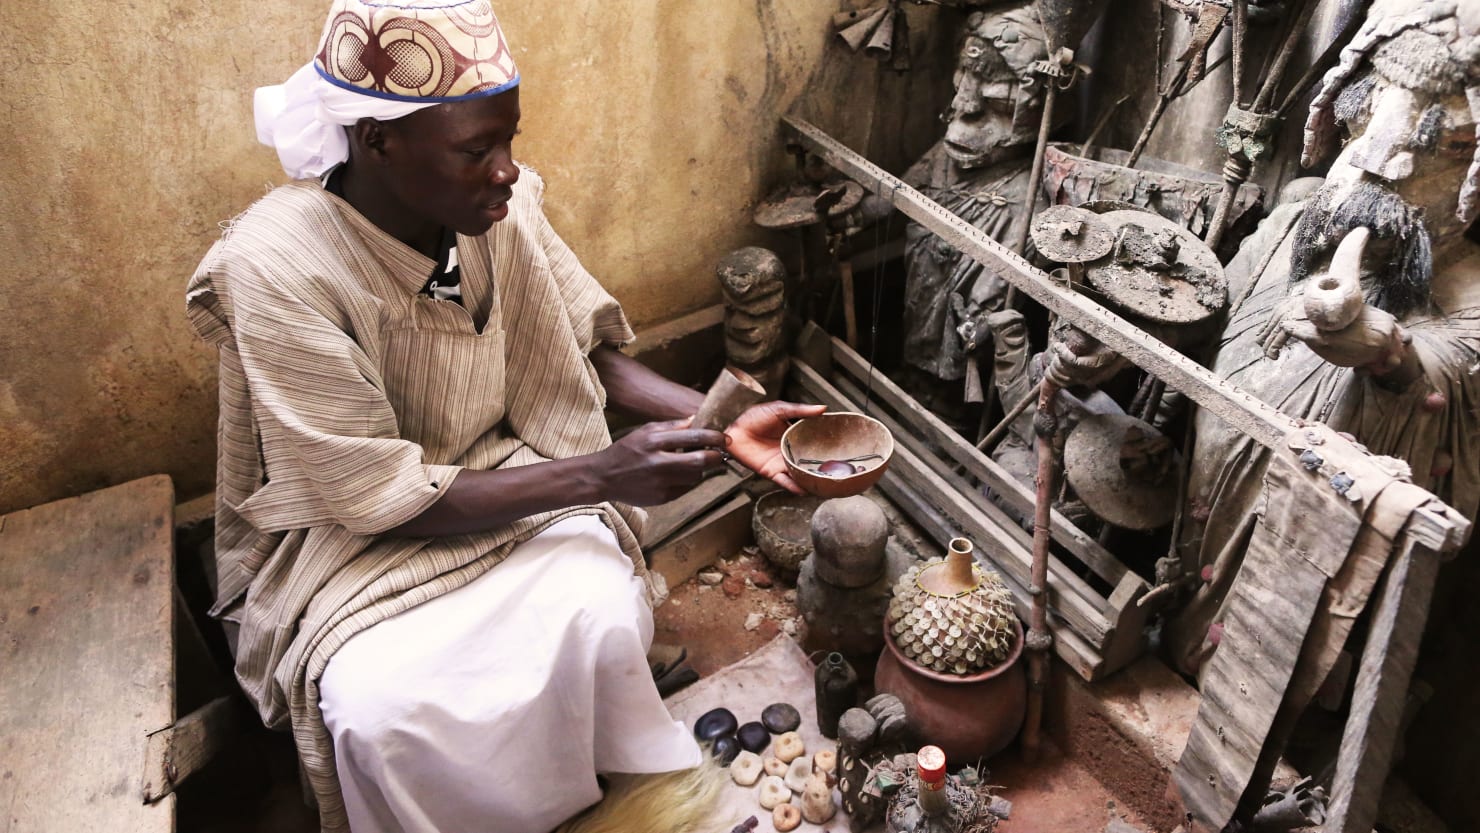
point(1158, 270)
point(1065, 234)
point(1092, 462)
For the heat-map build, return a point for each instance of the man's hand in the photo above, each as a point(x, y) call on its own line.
point(1374, 341)
point(755, 439)
point(658, 462)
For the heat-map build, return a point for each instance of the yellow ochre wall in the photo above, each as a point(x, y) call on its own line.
point(128, 137)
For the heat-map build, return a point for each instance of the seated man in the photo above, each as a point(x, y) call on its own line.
point(424, 532)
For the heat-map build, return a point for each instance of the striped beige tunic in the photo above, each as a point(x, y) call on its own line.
point(349, 404)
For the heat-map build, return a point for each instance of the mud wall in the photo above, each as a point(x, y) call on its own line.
point(129, 138)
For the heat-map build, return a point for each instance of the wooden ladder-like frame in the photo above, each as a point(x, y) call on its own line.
point(1399, 607)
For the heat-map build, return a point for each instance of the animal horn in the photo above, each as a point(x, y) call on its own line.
point(856, 27)
point(881, 43)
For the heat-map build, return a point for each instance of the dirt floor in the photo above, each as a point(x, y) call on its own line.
point(748, 605)
point(720, 616)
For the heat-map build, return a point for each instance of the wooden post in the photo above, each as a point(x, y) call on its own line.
point(1400, 611)
point(1039, 639)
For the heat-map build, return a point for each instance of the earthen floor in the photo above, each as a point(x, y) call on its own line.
point(1056, 795)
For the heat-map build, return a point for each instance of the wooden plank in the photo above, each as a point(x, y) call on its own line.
point(1251, 416)
point(1007, 525)
point(178, 751)
point(1068, 595)
point(980, 466)
point(721, 532)
point(1245, 681)
point(1080, 656)
point(85, 623)
point(1126, 641)
point(665, 519)
point(1401, 609)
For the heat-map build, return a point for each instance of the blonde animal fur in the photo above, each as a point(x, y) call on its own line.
point(671, 802)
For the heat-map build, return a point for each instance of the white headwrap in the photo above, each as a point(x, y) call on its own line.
point(304, 119)
point(382, 59)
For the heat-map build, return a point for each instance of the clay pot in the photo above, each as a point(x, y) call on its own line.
point(826, 440)
point(968, 717)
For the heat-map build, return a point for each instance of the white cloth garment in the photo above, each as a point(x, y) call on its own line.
point(304, 120)
point(494, 706)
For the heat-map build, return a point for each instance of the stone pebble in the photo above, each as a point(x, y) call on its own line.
point(753, 736)
point(780, 718)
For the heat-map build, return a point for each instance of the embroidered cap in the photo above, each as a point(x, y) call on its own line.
point(416, 50)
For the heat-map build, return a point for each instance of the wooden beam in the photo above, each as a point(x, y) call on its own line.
point(1126, 641)
point(1245, 681)
point(1362, 766)
point(181, 749)
point(979, 465)
point(667, 518)
point(86, 611)
point(1251, 416)
point(1069, 596)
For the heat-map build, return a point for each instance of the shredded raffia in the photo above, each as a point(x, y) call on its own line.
point(671, 802)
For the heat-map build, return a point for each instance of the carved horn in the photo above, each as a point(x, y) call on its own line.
point(881, 43)
point(856, 27)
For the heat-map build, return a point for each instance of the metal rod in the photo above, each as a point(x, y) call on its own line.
point(1281, 58)
point(1240, 25)
point(1094, 133)
point(1153, 400)
point(1045, 126)
point(1151, 121)
point(1319, 66)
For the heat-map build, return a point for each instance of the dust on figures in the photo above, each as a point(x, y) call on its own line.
point(1399, 376)
point(980, 171)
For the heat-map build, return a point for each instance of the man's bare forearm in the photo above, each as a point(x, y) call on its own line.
point(635, 389)
point(653, 466)
point(478, 501)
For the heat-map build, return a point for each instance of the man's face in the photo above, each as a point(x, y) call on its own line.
point(454, 163)
point(1415, 143)
point(981, 131)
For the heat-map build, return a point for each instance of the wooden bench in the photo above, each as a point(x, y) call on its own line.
point(87, 666)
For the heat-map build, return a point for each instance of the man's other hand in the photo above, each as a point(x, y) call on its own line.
point(755, 438)
point(658, 462)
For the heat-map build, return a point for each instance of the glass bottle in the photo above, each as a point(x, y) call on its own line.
point(837, 692)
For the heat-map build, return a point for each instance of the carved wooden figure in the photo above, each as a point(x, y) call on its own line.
point(1399, 376)
point(979, 171)
point(753, 281)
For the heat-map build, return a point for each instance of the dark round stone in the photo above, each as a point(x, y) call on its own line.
point(781, 717)
point(725, 748)
point(714, 723)
point(753, 737)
